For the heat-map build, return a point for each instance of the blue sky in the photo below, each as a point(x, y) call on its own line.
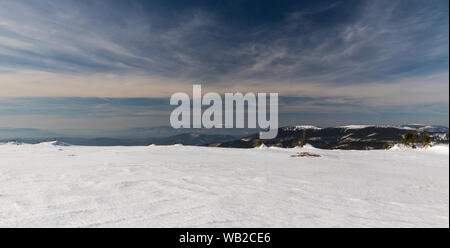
point(114, 64)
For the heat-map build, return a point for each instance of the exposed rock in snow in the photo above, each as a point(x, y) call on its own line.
point(262, 146)
point(306, 154)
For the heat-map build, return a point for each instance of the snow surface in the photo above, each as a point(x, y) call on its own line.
point(356, 126)
point(307, 127)
point(300, 127)
point(54, 185)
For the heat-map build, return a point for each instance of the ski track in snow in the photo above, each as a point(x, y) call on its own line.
point(45, 185)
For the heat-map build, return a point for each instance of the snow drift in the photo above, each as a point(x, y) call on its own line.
point(48, 185)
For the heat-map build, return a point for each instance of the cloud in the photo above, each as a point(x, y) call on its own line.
point(375, 54)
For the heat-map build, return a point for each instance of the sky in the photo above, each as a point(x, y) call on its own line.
point(114, 64)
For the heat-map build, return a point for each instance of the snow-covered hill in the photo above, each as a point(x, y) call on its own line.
point(352, 137)
point(53, 184)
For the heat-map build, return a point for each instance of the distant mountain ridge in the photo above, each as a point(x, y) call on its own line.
point(419, 127)
point(357, 137)
point(426, 128)
point(130, 133)
point(185, 139)
point(353, 137)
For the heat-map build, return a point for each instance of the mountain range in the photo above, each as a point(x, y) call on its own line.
point(358, 137)
point(353, 137)
point(185, 139)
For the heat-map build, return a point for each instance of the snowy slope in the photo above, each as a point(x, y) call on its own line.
point(354, 137)
point(179, 186)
